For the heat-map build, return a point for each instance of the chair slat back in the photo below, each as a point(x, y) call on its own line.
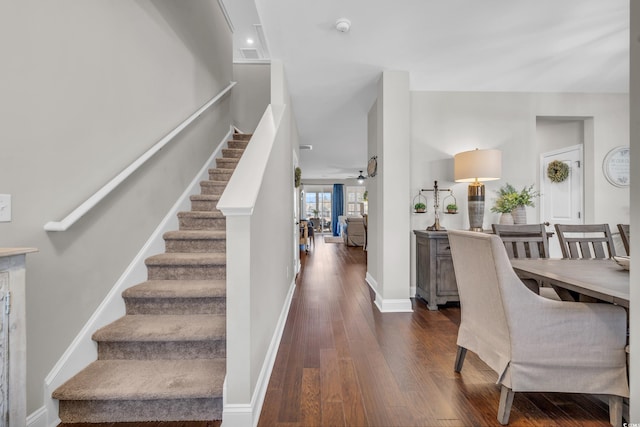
point(524, 241)
point(625, 236)
point(585, 240)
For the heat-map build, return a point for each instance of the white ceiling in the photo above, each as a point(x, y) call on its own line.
point(446, 45)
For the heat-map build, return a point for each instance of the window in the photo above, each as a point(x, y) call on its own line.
point(355, 201)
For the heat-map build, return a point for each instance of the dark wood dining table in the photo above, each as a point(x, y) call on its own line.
point(601, 279)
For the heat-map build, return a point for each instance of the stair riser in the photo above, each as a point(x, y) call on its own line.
point(196, 246)
point(212, 188)
point(204, 205)
point(226, 163)
point(191, 223)
point(92, 411)
point(231, 153)
point(181, 272)
point(220, 175)
point(242, 136)
point(238, 144)
point(176, 305)
point(141, 350)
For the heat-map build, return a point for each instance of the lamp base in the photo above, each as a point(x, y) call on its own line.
point(476, 205)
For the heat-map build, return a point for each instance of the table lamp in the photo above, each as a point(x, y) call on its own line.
point(476, 166)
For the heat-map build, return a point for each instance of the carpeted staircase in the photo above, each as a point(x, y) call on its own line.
point(165, 359)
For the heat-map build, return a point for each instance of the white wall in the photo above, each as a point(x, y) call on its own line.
point(251, 95)
point(86, 88)
point(445, 123)
point(390, 218)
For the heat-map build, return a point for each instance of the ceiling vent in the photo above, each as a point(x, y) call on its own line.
point(250, 53)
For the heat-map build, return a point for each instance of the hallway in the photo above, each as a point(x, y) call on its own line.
point(343, 363)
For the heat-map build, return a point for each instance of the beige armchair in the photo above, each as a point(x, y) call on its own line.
point(534, 344)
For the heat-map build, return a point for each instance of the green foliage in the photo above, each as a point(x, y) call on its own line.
point(420, 206)
point(509, 198)
point(452, 207)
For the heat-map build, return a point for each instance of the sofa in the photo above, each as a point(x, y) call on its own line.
point(356, 232)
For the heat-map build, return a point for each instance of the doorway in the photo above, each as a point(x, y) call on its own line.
point(317, 207)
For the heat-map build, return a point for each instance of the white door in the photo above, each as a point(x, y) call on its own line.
point(562, 202)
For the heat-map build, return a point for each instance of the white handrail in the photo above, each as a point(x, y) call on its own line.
point(85, 207)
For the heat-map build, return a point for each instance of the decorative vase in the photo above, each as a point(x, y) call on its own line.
point(519, 215)
point(506, 218)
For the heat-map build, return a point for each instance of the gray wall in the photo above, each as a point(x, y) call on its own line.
point(251, 95)
point(634, 89)
point(86, 88)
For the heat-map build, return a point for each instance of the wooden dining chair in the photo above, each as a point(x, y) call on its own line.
point(524, 240)
point(625, 236)
point(527, 241)
point(585, 241)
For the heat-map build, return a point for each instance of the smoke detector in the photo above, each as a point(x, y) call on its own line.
point(343, 25)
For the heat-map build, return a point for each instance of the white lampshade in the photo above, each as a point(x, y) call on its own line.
point(477, 165)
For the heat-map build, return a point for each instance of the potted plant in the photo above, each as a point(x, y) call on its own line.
point(512, 201)
point(420, 207)
point(452, 208)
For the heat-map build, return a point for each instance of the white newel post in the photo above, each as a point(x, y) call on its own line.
point(13, 340)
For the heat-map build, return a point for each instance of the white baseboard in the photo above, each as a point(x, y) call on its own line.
point(402, 305)
point(83, 350)
point(38, 418)
point(248, 415)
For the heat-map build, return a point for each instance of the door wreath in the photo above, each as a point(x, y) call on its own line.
point(557, 171)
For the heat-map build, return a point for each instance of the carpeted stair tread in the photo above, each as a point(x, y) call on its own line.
point(177, 289)
point(187, 259)
point(201, 214)
point(156, 328)
point(145, 380)
point(232, 153)
point(242, 136)
point(206, 197)
point(195, 234)
point(236, 143)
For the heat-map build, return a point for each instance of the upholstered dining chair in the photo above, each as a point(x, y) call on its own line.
point(625, 236)
point(534, 344)
point(585, 240)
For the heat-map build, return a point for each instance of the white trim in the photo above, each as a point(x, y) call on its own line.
point(238, 415)
point(251, 61)
point(82, 350)
point(223, 8)
point(38, 418)
point(412, 290)
point(402, 305)
point(92, 201)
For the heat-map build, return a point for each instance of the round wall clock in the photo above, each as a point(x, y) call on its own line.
point(616, 166)
point(372, 166)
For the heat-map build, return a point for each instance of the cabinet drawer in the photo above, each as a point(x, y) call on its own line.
point(443, 248)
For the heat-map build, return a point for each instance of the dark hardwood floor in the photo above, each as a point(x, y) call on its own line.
point(343, 363)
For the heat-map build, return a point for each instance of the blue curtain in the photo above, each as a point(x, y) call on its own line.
point(337, 206)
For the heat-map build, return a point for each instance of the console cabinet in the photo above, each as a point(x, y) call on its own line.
point(435, 278)
point(13, 343)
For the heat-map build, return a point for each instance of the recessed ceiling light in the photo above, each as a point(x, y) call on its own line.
point(249, 41)
point(343, 25)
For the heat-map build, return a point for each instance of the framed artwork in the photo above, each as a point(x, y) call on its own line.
point(615, 166)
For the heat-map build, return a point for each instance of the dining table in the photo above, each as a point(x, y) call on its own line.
point(600, 279)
